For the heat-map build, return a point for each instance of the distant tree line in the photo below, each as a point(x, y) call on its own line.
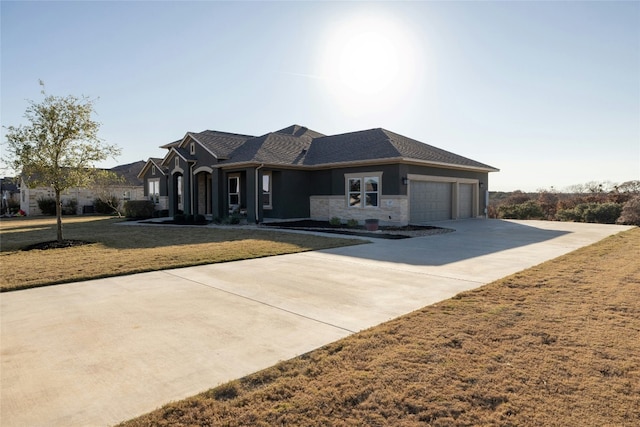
point(596, 202)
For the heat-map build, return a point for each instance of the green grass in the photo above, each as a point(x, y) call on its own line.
point(119, 248)
point(557, 344)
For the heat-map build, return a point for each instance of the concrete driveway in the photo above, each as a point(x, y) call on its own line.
point(103, 351)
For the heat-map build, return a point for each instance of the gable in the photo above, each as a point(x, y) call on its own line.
point(217, 144)
point(152, 161)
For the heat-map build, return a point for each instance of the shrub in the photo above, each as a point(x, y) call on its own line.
point(602, 213)
point(630, 212)
point(70, 207)
point(13, 205)
point(335, 221)
point(47, 205)
point(233, 219)
point(352, 223)
point(106, 207)
point(200, 219)
point(569, 215)
point(179, 219)
point(139, 209)
point(527, 210)
point(188, 219)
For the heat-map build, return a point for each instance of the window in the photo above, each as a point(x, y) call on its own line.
point(153, 170)
point(234, 191)
point(179, 190)
point(192, 148)
point(126, 195)
point(355, 194)
point(177, 162)
point(363, 190)
point(371, 191)
point(266, 190)
point(153, 188)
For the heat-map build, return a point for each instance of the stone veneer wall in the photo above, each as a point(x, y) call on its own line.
point(83, 196)
point(393, 210)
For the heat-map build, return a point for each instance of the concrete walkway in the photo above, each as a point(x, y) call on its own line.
point(103, 351)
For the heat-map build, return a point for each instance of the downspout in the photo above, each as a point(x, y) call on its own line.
point(258, 193)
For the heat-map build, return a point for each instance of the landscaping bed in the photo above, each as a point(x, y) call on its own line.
point(383, 232)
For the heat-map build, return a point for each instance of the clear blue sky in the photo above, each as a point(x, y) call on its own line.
point(549, 92)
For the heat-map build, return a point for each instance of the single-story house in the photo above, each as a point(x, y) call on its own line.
point(296, 172)
point(131, 188)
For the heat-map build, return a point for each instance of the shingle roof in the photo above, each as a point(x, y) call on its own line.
point(379, 144)
point(171, 144)
point(350, 147)
point(130, 172)
point(8, 184)
point(299, 146)
point(412, 149)
point(273, 148)
point(221, 144)
point(300, 131)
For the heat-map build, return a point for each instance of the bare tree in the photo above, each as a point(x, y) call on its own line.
point(105, 185)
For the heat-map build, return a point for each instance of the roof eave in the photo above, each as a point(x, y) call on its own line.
point(450, 165)
point(334, 165)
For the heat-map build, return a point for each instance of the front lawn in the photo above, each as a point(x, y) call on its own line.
point(119, 248)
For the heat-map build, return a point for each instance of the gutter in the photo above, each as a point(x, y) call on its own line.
point(258, 193)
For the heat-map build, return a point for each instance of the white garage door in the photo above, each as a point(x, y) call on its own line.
point(429, 201)
point(465, 200)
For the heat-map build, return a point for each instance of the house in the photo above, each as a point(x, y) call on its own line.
point(296, 172)
point(131, 188)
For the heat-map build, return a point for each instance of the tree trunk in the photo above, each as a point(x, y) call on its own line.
point(59, 215)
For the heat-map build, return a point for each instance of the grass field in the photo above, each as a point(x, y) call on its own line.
point(122, 248)
point(554, 345)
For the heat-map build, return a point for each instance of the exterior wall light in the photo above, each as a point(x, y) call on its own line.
point(405, 181)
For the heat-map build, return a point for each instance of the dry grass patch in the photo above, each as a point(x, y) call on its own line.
point(121, 248)
point(555, 345)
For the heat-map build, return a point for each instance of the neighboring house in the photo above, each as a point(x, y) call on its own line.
point(299, 173)
point(130, 189)
point(10, 195)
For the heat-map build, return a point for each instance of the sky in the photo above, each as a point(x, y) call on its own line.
point(547, 92)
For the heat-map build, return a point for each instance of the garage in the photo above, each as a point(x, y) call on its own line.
point(429, 201)
point(465, 200)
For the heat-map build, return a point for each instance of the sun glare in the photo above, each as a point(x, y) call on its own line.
point(369, 63)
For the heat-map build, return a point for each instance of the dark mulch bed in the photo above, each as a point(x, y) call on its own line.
point(172, 222)
point(54, 244)
point(385, 232)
